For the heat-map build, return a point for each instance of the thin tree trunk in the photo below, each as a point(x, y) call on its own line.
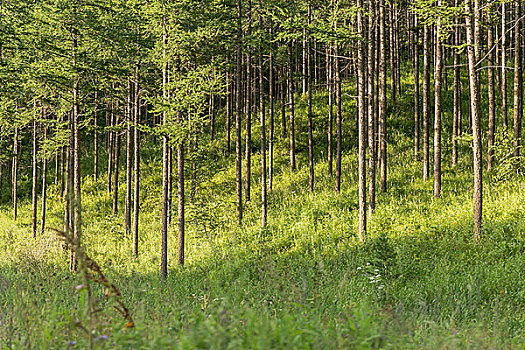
point(44, 188)
point(180, 196)
point(248, 133)
point(503, 69)
point(238, 110)
point(165, 174)
point(371, 110)
point(77, 217)
point(95, 137)
point(116, 162)
point(291, 126)
point(264, 209)
point(426, 100)
point(271, 121)
point(129, 159)
point(14, 174)
point(330, 83)
point(111, 147)
point(310, 126)
point(362, 121)
point(382, 97)
point(474, 107)
point(416, 88)
point(136, 165)
point(437, 109)
point(35, 172)
point(338, 121)
point(491, 93)
point(456, 123)
point(518, 82)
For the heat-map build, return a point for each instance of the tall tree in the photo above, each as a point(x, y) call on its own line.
point(472, 22)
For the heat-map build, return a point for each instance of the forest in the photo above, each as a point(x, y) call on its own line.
point(262, 174)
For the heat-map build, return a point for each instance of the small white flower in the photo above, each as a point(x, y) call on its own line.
point(359, 268)
point(381, 287)
point(378, 276)
point(367, 264)
point(376, 270)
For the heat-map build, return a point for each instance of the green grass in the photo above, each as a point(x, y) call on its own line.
point(420, 281)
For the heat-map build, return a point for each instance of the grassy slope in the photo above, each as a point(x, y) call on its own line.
point(305, 282)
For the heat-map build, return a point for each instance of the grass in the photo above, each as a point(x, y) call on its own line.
point(304, 282)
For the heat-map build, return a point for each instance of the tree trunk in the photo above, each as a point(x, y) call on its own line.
point(271, 122)
point(456, 123)
point(165, 174)
point(291, 126)
point(129, 159)
point(111, 147)
point(44, 188)
point(371, 110)
point(310, 126)
point(248, 142)
point(474, 107)
point(264, 209)
point(136, 164)
point(95, 137)
point(330, 83)
point(238, 110)
point(518, 82)
point(382, 96)
point(416, 88)
point(491, 93)
point(14, 174)
point(503, 68)
point(180, 196)
point(35, 177)
point(116, 162)
point(438, 67)
point(426, 100)
point(362, 121)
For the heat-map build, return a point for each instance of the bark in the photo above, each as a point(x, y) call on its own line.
point(291, 126)
point(77, 217)
point(362, 121)
point(330, 83)
point(271, 121)
point(426, 100)
point(415, 58)
point(474, 106)
point(136, 165)
point(180, 197)
point(264, 209)
point(129, 159)
point(165, 174)
point(44, 188)
point(283, 103)
point(310, 126)
point(382, 97)
point(95, 137)
point(518, 82)
point(503, 69)
point(35, 177)
point(371, 110)
point(338, 121)
point(248, 133)
point(438, 68)
point(116, 161)
point(238, 109)
point(228, 113)
point(491, 93)
point(456, 123)
point(111, 147)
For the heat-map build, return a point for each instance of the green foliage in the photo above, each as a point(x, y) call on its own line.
point(507, 162)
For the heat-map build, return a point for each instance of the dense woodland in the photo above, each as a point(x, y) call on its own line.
point(182, 119)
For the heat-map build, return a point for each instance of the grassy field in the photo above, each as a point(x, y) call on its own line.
point(305, 282)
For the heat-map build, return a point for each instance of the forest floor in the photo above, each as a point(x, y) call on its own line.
point(420, 281)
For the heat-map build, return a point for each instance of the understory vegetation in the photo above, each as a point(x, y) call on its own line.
point(305, 281)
